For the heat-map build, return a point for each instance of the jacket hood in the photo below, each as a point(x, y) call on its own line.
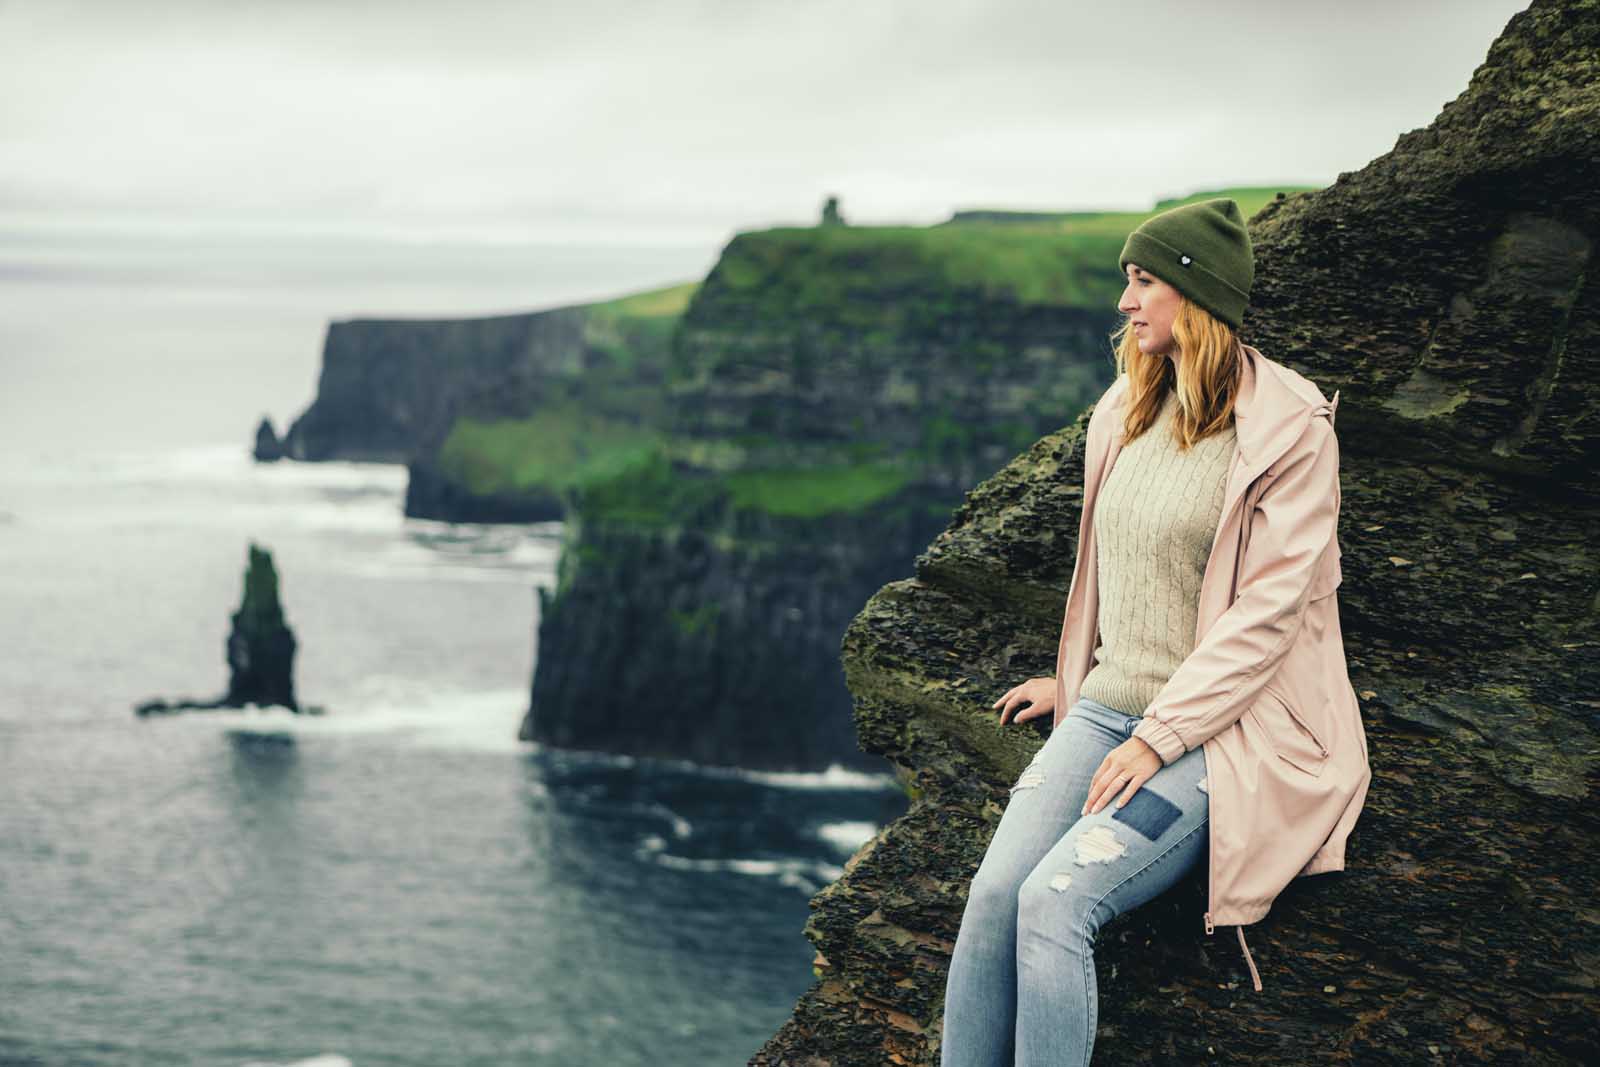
point(1272, 405)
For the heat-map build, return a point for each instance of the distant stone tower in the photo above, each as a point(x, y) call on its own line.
point(830, 213)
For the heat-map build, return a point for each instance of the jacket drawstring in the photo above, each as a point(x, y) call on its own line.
point(1254, 975)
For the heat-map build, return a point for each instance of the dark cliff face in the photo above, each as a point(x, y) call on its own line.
point(832, 392)
point(498, 418)
point(717, 641)
point(389, 387)
point(1449, 291)
point(858, 338)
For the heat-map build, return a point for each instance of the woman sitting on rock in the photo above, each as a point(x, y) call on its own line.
point(1200, 679)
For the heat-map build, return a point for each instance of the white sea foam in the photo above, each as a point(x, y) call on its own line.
point(681, 827)
point(326, 1059)
point(835, 777)
point(847, 837)
point(424, 716)
point(486, 721)
point(805, 874)
point(426, 549)
point(356, 508)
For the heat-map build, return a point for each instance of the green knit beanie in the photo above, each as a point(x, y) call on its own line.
point(1203, 251)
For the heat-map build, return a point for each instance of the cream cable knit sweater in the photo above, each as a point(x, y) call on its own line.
point(1154, 522)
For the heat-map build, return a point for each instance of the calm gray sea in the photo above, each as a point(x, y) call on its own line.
point(400, 881)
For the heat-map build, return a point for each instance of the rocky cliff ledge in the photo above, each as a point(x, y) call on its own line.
point(1449, 290)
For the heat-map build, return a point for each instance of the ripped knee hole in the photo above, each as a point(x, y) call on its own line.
point(1098, 844)
point(1031, 776)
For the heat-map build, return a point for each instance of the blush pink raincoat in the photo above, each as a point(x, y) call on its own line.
point(1266, 690)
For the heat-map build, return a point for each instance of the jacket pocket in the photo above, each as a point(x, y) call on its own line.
point(1290, 736)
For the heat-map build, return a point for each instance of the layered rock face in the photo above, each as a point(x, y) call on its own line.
point(1450, 291)
point(497, 418)
point(717, 641)
point(389, 385)
point(832, 392)
point(805, 345)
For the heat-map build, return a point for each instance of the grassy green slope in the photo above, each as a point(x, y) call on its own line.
point(572, 440)
point(844, 275)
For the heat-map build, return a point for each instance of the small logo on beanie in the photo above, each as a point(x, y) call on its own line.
point(1185, 260)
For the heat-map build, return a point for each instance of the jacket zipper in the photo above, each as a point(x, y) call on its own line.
point(1211, 844)
point(1211, 873)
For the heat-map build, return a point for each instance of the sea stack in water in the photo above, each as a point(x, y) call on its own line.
point(268, 448)
point(261, 646)
point(260, 649)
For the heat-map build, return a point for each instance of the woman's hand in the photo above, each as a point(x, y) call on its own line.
point(1130, 765)
point(1041, 691)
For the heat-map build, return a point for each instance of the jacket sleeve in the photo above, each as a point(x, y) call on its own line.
point(1293, 526)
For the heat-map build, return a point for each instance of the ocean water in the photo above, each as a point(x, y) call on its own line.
point(399, 881)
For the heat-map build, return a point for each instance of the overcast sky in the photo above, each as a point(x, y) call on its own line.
point(675, 120)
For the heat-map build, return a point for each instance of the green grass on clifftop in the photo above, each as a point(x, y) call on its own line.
point(830, 267)
point(639, 322)
point(558, 448)
point(1063, 259)
point(652, 491)
point(603, 436)
point(813, 492)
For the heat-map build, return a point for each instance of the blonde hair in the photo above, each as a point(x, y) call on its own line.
point(1208, 352)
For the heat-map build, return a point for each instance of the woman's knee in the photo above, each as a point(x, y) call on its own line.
point(993, 892)
point(1057, 901)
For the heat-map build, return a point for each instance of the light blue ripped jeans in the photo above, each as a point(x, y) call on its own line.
point(1021, 989)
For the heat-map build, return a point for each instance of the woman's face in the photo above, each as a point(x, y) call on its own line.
point(1151, 304)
